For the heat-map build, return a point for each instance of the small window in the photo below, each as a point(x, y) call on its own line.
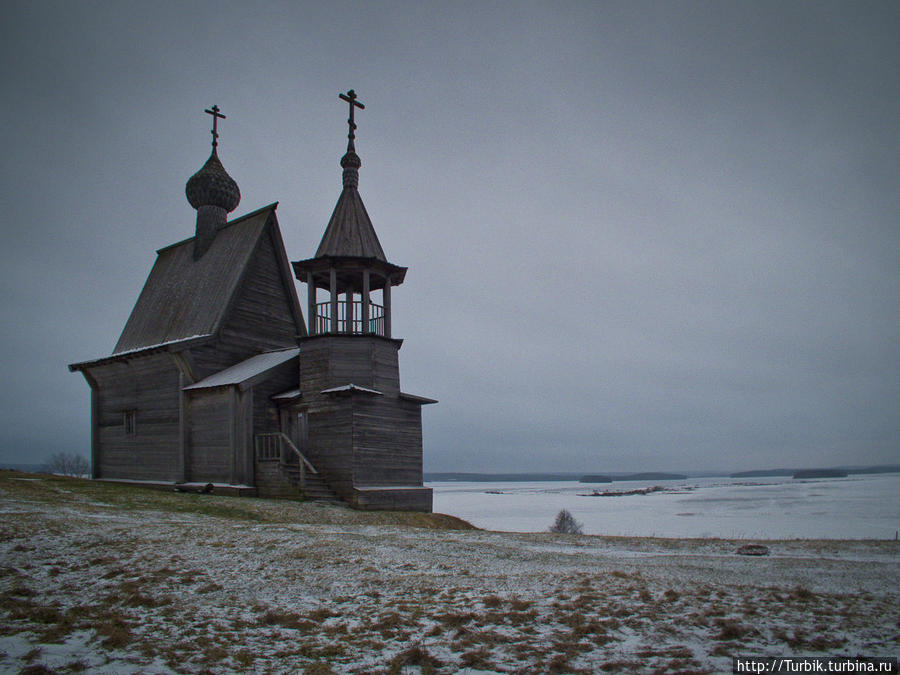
point(129, 422)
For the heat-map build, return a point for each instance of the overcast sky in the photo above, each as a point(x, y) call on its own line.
point(639, 235)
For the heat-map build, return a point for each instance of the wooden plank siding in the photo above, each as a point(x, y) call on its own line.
point(331, 447)
point(333, 361)
point(148, 385)
point(387, 437)
point(260, 319)
point(362, 439)
point(211, 435)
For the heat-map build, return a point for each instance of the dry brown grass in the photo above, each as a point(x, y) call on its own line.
point(333, 605)
point(321, 614)
point(732, 629)
point(274, 617)
point(414, 656)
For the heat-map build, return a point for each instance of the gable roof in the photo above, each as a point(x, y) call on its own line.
point(247, 372)
point(184, 297)
point(170, 346)
point(350, 232)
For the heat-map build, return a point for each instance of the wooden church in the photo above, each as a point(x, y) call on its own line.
point(216, 378)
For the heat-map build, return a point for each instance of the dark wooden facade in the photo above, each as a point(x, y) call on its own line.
point(364, 434)
point(188, 329)
point(217, 379)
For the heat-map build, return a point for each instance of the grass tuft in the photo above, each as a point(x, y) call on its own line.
point(414, 656)
point(731, 629)
point(291, 620)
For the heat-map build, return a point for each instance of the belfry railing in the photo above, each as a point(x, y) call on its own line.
point(349, 322)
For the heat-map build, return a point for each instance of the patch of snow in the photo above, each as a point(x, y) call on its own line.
point(311, 583)
point(351, 388)
point(857, 507)
point(240, 372)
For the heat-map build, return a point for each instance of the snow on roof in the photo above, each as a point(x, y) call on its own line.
point(243, 371)
point(350, 388)
point(287, 395)
point(140, 350)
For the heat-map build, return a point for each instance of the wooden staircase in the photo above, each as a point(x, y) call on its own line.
point(294, 467)
point(316, 489)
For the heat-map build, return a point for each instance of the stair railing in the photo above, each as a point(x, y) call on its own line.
point(264, 450)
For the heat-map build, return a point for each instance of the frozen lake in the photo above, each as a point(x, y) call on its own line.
point(857, 507)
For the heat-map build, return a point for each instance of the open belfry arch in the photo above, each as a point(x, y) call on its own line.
point(218, 379)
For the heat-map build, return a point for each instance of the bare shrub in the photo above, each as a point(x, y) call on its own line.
point(69, 464)
point(565, 523)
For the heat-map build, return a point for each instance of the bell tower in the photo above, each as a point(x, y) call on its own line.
point(364, 433)
point(349, 262)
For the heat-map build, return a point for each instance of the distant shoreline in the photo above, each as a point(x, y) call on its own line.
point(474, 477)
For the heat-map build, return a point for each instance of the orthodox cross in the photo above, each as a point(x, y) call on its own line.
point(350, 97)
point(216, 115)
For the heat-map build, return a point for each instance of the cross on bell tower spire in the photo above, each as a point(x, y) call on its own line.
point(216, 115)
point(350, 97)
point(351, 162)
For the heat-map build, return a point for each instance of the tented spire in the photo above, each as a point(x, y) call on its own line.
point(350, 232)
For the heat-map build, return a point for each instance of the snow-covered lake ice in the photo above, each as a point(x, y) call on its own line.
point(857, 507)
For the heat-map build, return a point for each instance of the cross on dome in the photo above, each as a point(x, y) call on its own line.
point(216, 115)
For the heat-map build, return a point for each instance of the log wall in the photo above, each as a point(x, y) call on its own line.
point(149, 386)
point(332, 361)
point(211, 435)
point(387, 439)
point(330, 447)
point(362, 439)
point(260, 318)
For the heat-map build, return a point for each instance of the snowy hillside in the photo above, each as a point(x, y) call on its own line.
point(119, 579)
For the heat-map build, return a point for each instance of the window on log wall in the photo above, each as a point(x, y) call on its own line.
point(129, 422)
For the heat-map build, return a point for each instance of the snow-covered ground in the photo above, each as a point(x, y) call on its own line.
point(117, 579)
point(856, 507)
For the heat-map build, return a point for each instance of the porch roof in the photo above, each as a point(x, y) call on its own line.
point(247, 372)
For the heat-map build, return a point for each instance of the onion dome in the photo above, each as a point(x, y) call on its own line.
point(350, 163)
point(212, 186)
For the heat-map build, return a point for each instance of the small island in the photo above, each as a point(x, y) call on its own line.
point(625, 493)
point(595, 478)
point(653, 475)
point(820, 473)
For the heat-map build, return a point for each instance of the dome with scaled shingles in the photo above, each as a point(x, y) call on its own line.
point(212, 186)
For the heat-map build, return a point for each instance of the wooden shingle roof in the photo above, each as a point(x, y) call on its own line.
point(350, 233)
point(183, 297)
